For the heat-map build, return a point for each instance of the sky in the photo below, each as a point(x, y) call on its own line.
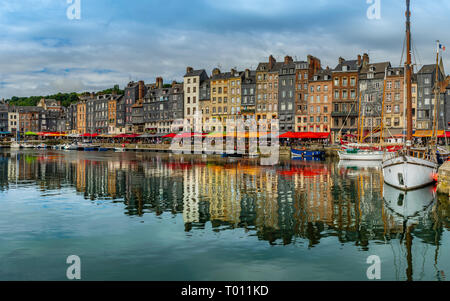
point(42, 51)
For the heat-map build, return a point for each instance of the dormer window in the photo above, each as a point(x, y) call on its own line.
point(372, 69)
point(344, 68)
point(315, 77)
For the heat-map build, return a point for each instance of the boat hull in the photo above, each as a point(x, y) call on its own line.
point(361, 156)
point(305, 153)
point(408, 173)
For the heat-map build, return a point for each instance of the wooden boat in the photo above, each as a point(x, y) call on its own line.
point(409, 169)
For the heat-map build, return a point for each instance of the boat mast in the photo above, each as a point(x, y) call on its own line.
point(436, 98)
point(408, 68)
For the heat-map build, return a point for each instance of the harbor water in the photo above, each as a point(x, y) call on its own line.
point(147, 216)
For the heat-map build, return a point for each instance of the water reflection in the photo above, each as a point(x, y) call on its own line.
point(295, 202)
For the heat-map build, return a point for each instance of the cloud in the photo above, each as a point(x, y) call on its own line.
point(42, 52)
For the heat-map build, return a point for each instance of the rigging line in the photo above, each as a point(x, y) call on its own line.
point(403, 51)
point(345, 121)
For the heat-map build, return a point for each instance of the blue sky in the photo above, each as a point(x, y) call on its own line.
point(43, 52)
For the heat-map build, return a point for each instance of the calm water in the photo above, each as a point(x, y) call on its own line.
point(139, 216)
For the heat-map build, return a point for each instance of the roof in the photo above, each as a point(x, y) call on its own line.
point(377, 68)
point(352, 66)
point(195, 73)
point(321, 75)
point(225, 75)
point(426, 69)
point(395, 70)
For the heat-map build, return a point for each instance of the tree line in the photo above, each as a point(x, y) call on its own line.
point(66, 99)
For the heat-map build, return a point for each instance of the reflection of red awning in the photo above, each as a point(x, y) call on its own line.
point(189, 135)
point(169, 135)
point(306, 172)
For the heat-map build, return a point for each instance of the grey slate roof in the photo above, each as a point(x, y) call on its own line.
point(321, 75)
point(352, 66)
point(379, 70)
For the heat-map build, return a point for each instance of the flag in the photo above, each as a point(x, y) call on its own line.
point(442, 47)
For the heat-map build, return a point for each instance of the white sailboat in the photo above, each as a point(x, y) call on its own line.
point(410, 168)
point(360, 151)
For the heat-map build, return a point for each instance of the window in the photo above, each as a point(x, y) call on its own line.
point(336, 94)
point(344, 81)
point(336, 81)
point(388, 108)
point(344, 94)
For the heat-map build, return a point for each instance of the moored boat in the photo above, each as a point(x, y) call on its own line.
point(410, 168)
point(360, 155)
point(306, 153)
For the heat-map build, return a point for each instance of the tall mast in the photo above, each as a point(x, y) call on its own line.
point(436, 98)
point(408, 68)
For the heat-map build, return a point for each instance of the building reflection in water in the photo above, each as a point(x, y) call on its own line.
point(295, 201)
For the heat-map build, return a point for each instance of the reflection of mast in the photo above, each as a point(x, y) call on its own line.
point(409, 239)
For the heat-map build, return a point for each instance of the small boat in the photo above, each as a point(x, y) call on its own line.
point(41, 146)
point(234, 155)
point(15, 145)
point(360, 155)
point(119, 149)
point(306, 153)
point(26, 145)
point(103, 149)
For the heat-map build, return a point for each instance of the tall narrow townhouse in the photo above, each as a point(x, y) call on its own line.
point(345, 96)
point(219, 100)
point(286, 95)
point(205, 105)
point(304, 71)
point(191, 86)
point(267, 91)
point(319, 103)
point(371, 85)
point(248, 99)
point(394, 98)
point(235, 95)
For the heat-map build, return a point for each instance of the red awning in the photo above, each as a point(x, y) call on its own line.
point(447, 135)
point(287, 135)
point(89, 135)
point(127, 136)
point(310, 135)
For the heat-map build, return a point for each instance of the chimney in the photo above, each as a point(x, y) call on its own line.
point(341, 60)
point(287, 59)
point(272, 62)
point(189, 69)
point(359, 59)
point(328, 68)
point(366, 59)
point(247, 73)
point(159, 82)
point(92, 95)
point(141, 89)
point(173, 84)
point(233, 71)
point(216, 71)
